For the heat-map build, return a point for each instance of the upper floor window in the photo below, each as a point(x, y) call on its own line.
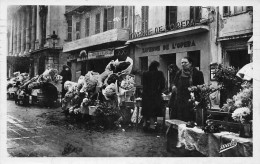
point(239, 9)
point(171, 15)
point(77, 30)
point(145, 11)
point(226, 11)
point(195, 13)
point(87, 26)
point(108, 19)
point(69, 32)
point(124, 16)
point(97, 23)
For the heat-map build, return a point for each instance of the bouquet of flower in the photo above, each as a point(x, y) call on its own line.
point(109, 91)
point(200, 95)
point(226, 76)
point(127, 83)
point(241, 99)
point(242, 115)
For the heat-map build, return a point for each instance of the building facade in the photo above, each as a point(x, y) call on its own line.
point(95, 36)
point(35, 33)
point(234, 33)
point(168, 33)
point(205, 33)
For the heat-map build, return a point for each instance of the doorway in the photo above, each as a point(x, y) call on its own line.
point(165, 61)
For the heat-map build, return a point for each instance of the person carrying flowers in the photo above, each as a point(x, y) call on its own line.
point(186, 77)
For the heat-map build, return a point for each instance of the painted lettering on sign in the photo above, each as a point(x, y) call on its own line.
point(161, 29)
point(100, 54)
point(151, 49)
point(183, 44)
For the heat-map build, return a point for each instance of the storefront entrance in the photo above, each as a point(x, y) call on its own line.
point(165, 61)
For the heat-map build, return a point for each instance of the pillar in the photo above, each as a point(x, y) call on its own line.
point(23, 30)
point(27, 47)
point(33, 28)
point(39, 27)
point(14, 34)
point(11, 37)
point(18, 44)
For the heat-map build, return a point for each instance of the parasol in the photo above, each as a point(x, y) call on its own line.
point(246, 72)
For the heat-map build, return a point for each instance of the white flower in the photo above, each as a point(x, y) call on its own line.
point(240, 113)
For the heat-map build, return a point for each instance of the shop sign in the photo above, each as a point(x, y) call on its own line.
point(72, 57)
point(162, 29)
point(100, 54)
point(82, 58)
point(167, 46)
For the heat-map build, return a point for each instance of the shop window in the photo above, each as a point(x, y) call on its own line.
point(77, 30)
point(124, 16)
point(171, 15)
point(145, 11)
point(108, 18)
point(238, 59)
point(69, 32)
point(97, 23)
point(226, 11)
point(195, 56)
point(87, 26)
point(239, 9)
point(195, 13)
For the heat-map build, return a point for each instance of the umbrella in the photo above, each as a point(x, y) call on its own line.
point(246, 72)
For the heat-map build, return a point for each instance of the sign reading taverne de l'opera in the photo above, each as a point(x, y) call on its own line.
point(161, 29)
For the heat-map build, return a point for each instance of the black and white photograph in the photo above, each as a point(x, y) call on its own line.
point(168, 82)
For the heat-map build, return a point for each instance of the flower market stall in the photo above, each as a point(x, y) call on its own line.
point(42, 89)
point(218, 132)
point(101, 96)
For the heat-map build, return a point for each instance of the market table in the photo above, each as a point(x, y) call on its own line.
point(223, 144)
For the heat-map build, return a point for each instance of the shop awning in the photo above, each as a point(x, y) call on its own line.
point(234, 37)
point(171, 34)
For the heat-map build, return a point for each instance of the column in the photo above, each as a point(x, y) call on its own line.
point(18, 44)
point(39, 27)
point(14, 34)
point(11, 37)
point(23, 29)
point(28, 14)
point(33, 29)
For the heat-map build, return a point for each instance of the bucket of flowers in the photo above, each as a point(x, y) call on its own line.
point(200, 100)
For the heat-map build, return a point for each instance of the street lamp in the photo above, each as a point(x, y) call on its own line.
point(54, 38)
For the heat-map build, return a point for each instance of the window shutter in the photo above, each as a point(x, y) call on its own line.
point(122, 17)
point(192, 13)
point(105, 20)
